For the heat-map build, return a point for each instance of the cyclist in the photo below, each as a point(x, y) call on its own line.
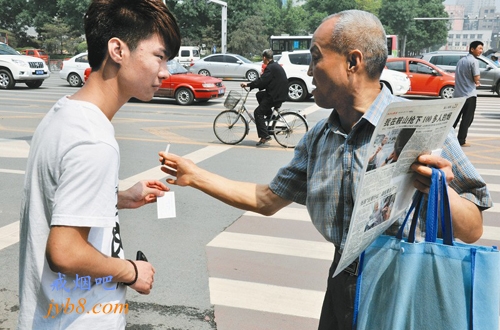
point(273, 91)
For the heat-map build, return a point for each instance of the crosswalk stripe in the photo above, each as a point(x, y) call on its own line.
point(9, 235)
point(274, 245)
point(266, 298)
point(487, 171)
point(491, 233)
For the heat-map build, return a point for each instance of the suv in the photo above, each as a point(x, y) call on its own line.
point(296, 64)
point(447, 60)
point(300, 87)
point(16, 68)
point(37, 53)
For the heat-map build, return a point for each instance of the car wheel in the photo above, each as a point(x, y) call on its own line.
point(204, 72)
point(74, 80)
point(34, 84)
point(447, 92)
point(296, 91)
point(6, 80)
point(184, 96)
point(252, 75)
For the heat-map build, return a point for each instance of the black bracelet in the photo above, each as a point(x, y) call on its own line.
point(136, 274)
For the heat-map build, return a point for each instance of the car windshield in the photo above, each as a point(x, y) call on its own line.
point(175, 67)
point(489, 62)
point(244, 59)
point(7, 50)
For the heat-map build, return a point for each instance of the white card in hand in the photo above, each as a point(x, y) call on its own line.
point(166, 205)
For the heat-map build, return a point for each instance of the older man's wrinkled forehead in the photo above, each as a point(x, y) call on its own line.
point(322, 37)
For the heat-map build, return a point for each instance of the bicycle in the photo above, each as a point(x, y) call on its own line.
point(232, 126)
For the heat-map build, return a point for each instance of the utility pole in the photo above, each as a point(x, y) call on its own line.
point(223, 24)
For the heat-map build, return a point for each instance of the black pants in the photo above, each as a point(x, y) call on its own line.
point(467, 115)
point(265, 109)
point(338, 305)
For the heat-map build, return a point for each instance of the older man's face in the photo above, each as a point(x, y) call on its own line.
point(328, 68)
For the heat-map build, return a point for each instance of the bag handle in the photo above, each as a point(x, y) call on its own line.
point(438, 207)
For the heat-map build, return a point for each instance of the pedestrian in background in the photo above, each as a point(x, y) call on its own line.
point(71, 253)
point(348, 52)
point(467, 77)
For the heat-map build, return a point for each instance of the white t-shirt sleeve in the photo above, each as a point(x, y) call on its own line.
point(87, 190)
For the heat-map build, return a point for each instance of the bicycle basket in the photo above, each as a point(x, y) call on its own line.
point(232, 100)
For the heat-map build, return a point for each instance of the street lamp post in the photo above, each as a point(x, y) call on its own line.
point(223, 25)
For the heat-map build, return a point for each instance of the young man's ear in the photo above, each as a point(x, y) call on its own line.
point(116, 49)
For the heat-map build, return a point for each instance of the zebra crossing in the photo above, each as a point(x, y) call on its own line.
point(268, 273)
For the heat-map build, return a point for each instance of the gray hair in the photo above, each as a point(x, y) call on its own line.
point(267, 53)
point(357, 29)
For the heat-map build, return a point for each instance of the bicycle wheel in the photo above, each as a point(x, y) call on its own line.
point(230, 127)
point(289, 129)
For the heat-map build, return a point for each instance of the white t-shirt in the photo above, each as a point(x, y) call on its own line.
point(71, 179)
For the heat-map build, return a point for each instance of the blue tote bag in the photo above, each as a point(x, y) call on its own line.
point(435, 284)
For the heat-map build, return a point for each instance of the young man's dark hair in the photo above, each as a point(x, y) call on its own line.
point(130, 21)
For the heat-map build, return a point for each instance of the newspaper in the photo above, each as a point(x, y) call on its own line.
point(405, 131)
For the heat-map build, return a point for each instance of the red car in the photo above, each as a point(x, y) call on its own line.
point(185, 87)
point(426, 78)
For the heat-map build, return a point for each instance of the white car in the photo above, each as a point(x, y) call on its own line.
point(16, 68)
point(73, 69)
point(397, 82)
point(300, 87)
point(296, 64)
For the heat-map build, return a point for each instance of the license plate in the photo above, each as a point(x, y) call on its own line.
point(38, 71)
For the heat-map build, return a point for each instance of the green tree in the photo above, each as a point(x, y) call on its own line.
point(319, 9)
point(397, 16)
point(294, 22)
point(55, 36)
point(71, 13)
point(415, 35)
point(428, 35)
point(372, 6)
point(249, 39)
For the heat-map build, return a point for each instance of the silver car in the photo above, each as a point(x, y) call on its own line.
point(226, 66)
point(447, 60)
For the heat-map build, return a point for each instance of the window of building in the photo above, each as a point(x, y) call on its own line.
point(480, 36)
point(457, 36)
point(472, 36)
point(457, 43)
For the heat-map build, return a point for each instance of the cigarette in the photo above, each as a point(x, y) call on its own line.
point(166, 153)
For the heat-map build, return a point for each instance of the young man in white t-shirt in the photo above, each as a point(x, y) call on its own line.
point(73, 274)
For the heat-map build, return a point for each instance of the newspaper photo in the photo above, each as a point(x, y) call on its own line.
point(405, 131)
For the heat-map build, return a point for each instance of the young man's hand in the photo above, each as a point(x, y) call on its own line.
point(145, 277)
point(143, 192)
